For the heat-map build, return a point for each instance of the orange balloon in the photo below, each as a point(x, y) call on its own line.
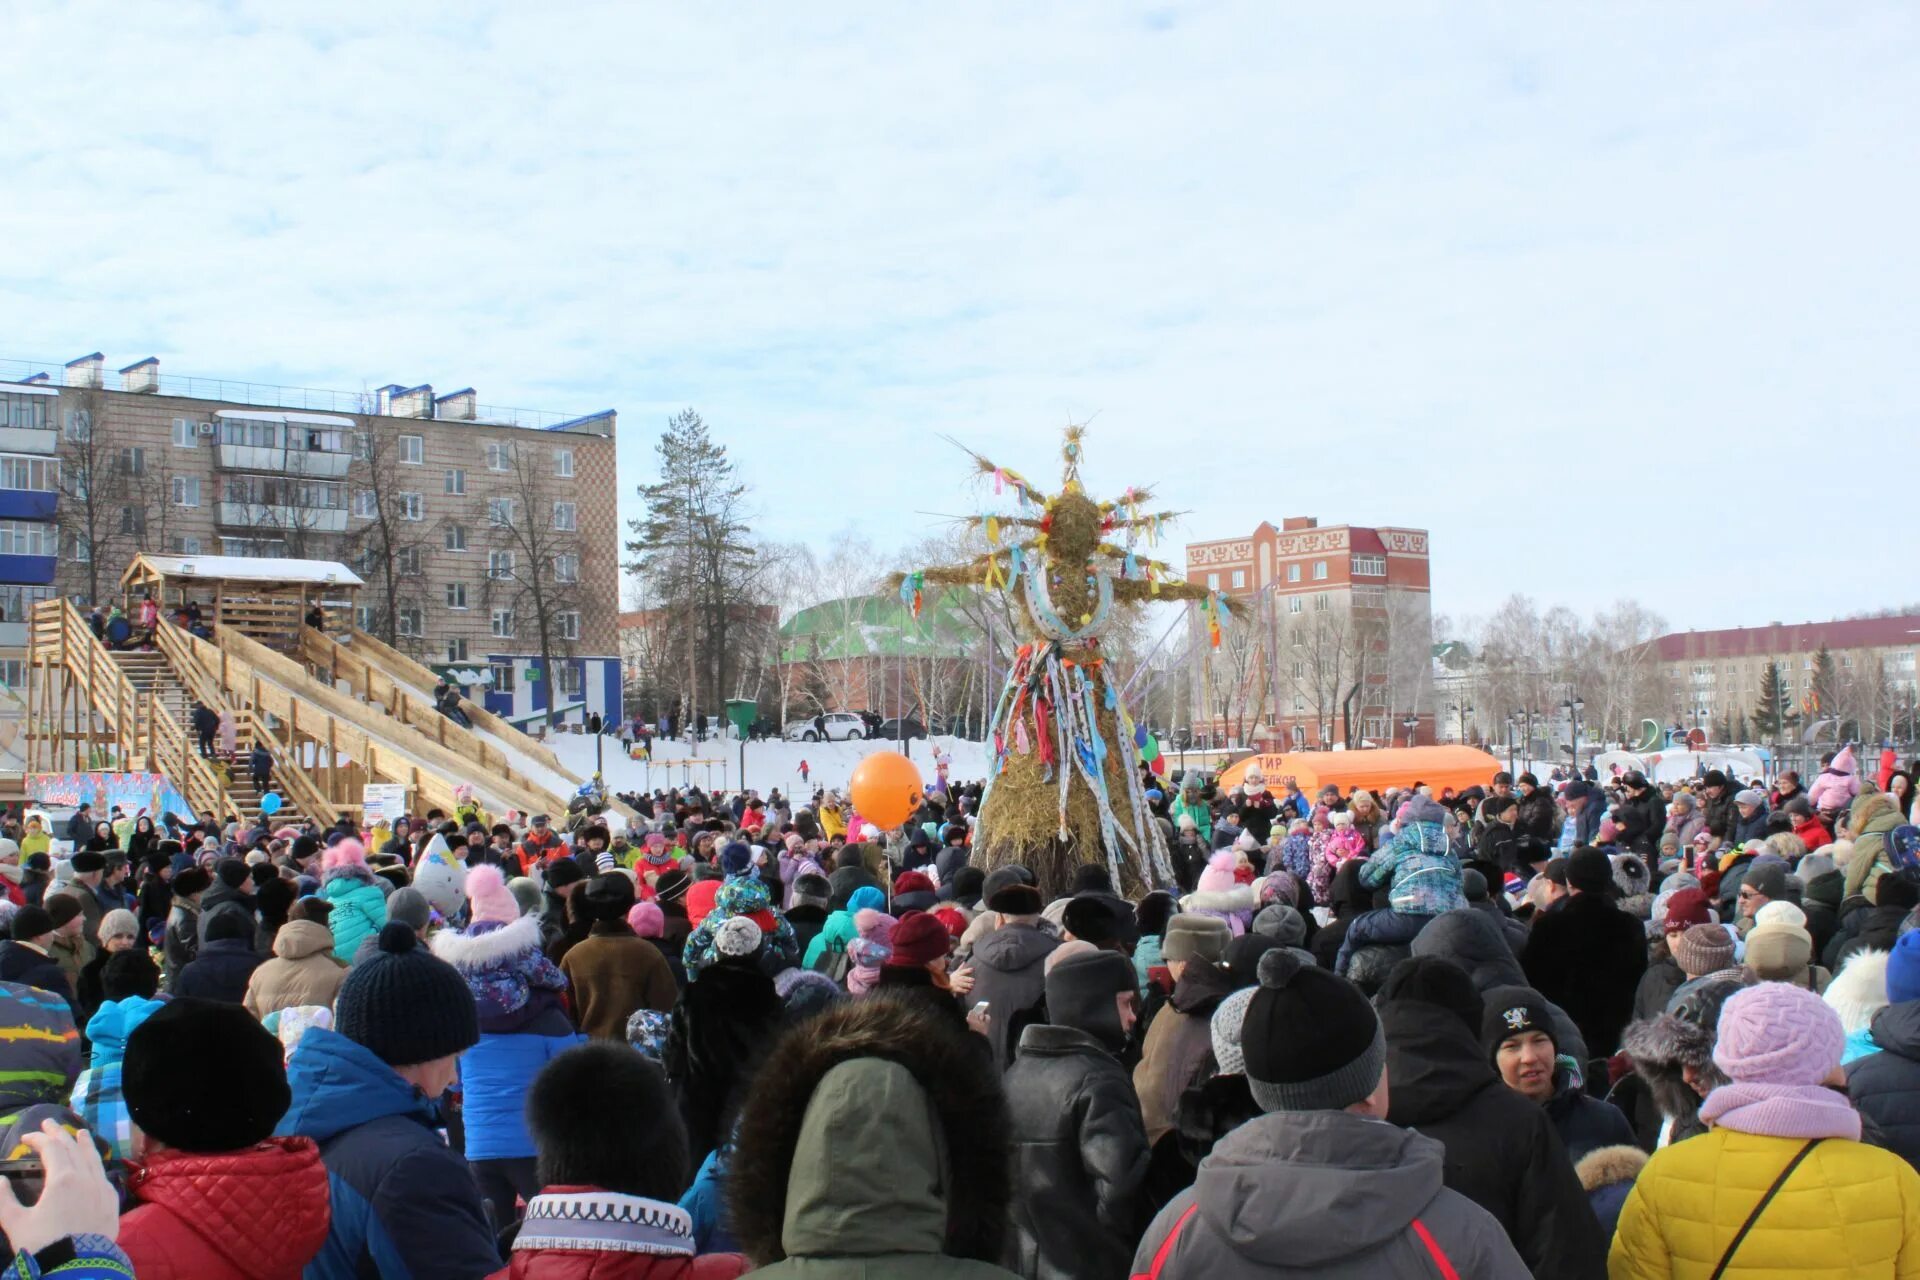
point(886, 789)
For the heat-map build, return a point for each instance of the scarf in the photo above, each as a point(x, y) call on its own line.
point(1782, 1111)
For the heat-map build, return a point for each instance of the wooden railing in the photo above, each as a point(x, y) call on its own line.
point(289, 777)
point(141, 730)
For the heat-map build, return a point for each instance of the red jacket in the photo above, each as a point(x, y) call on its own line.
point(621, 1226)
point(1813, 833)
point(258, 1214)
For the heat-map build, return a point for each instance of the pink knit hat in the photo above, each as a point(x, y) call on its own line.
point(1218, 877)
point(490, 898)
point(647, 920)
point(1778, 1033)
point(344, 853)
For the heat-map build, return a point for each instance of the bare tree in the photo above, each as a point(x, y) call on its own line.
point(387, 533)
point(534, 559)
point(97, 522)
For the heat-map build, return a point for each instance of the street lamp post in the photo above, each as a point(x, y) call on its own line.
point(1465, 709)
point(1411, 723)
point(1573, 707)
point(1510, 720)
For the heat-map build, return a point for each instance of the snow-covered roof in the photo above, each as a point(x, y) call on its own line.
point(276, 415)
point(254, 569)
point(29, 388)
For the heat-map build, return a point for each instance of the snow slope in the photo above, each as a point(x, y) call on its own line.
point(769, 764)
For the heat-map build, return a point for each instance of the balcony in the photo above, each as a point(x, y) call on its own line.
point(28, 504)
point(261, 515)
point(36, 570)
point(290, 462)
point(28, 440)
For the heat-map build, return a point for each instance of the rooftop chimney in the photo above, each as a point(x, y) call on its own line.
point(412, 402)
point(86, 371)
point(143, 376)
point(1299, 522)
point(456, 406)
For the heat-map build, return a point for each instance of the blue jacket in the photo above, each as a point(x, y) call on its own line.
point(494, 1076)
point(359, 909)
point(1419, 865)
point(706, 1203)
point(405, 1207)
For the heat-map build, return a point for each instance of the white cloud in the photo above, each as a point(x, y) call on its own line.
point(1632, 280)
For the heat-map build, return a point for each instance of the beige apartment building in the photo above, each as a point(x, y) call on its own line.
point(1714, 675)
point(488, 539)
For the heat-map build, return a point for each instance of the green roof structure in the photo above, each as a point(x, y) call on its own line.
point(880, 626)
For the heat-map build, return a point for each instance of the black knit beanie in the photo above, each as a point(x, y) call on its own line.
point(1080, 993)
point(164, 1077)
point(405, 1004)
point(1516, 1016)
point(1311, 1040)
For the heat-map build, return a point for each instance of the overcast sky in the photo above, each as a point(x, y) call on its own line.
point(1615, 300)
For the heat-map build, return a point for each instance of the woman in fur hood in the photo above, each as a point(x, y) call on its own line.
point(1673, 1067)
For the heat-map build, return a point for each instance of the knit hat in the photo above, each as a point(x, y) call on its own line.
point(1311, 1040)
point(1778, 1033)
point(671, 885)
point(647, 920)
point(805, 992)
point(918, 940)
point(32, 922)
point(1191, 937)
point(1767, 877)
point(1702, 949)
point(1779, 952)
point(1516, 1016)
point(227, 926)
point(736, 938)
point(912, 882)
point(490, 898)
point(810, 890)
point(737, 858)
point(164, 1076)
point(119, 923)
point(1750, 796)
point(1218, 877)
point(1282, 923)
point(1903, 969)
point(1589, 870)
point(1224, 1028)
point(1081, 990)
point(1781, 911)
point(406, 1005)
point(64, 908)
point(410, 907)
point(1686, 908)
point(648, 1031)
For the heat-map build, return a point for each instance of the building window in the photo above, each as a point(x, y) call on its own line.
point(1239, 579)
point(1299, 671)
point(566, 568)
point(16, 602)
point(1299, 704)
point(499, 564)
point(1319, 570)
point(569, 624)
point(569, 681)
point(502, 677)
point(1213, 582)
point(563, 517)
point(456, 480)
point(25, 411)
point(133, 521)
point(456, 595)
point(413, 450)
point(39, 475)
point(456, 535)
point(1370, 566)
point(186, 491)
point(406, 621)
point(366, 504)
point(133, 462)
point(186, 433)
point(26, 538)
point(503, 624)
point(1293, 604)
point(499, 456)
point(499, 511)
point(456, 651)
point(79, 426)
point(1293, 573)
point(1320, 603)
point(363, 616)
point(563, 463)
point(406, 562)
point(413, 507)
point(185, 546)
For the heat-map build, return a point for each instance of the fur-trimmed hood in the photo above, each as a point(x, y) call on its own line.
point(1609, 1167)
point(1859, 990)
point(1661, 1049)
point(480, 946)
point(838, 1152)
point(1242, 897)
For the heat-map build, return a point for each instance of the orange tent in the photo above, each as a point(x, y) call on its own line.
point(1376, 769)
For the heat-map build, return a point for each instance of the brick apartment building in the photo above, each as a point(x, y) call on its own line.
point(1716, 676)
point(1333, 641)
point(468, 524)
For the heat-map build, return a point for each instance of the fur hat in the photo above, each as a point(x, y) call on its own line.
point(487, 891)
point(1091, 920)
point(163, 1077)
point(1859, 990)
point(1191, 937)
point(603, 1116)
point(343, 853)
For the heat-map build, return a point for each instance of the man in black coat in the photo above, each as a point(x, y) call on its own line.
point(1885, 1086)
point(1503, 1152)
point(1080, 1146)
point(225, 964)
point(1586, 955)
point(1539, 817)
point(1642, 816)
point(28, 958)
point(1518, 1035)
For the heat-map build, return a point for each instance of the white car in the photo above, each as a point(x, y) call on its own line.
point(841, 726)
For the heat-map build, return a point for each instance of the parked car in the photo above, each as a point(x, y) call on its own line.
point(906, 728)
point(835, 726)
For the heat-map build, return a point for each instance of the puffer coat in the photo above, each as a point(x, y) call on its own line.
point(257, 1214)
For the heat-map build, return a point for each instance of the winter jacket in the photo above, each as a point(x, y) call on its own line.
point(1885, 1086)
point(1257, 813)
point(97, 1096)
point(302, 970)
point(404, 1206)
point(39, 1049)
point(1812, 833)
point(722, 1026)
point(220, 972)
point(1502, 1151)
point(1586, 955)
point(223, 899)
point(612, 974)
point(1178, 1044)
point(1820, 902)
point(1753, 828)
point(1873, 817)
point(21, 963)
point(1655, 992)
point(874, 1148)
point(359, 908)
point(1197, 809)
point(1837, 784)
point(1009, 973)
point(1539, 816)
point(1474, 941)
point(1721, 814)
point(183, 937)
point(1849, 1211)
point(1585, 1123)
point(1080, 1154)
point(1642, 820)
point(1328, 1195)
point(1418, 864)
point(585, 1233)
point(257, 1214)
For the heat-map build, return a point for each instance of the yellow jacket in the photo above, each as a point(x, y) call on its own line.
point(1850, 1212)
point(833, 820)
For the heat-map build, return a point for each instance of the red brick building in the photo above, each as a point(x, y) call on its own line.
point(1332, 644)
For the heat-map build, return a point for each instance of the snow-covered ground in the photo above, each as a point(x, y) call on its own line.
point(769, 764)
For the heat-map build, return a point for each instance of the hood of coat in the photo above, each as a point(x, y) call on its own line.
point(225, 1199)
point(483, 945)
point(1435, 1065)
point(299, 939)
point(338, 1084)
point(1473, 940)
point(109, 1028)
point(1896, 1029)
point(1014, 947)
point(351, 873)
point(882, 1130)
point(1201, 988)
point(1300, 1189)
point(1827, 888)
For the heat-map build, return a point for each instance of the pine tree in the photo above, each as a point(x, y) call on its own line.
point(1826, 685)
point(1773, 713)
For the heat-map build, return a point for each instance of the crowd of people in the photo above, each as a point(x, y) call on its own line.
point(1565, 1030)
